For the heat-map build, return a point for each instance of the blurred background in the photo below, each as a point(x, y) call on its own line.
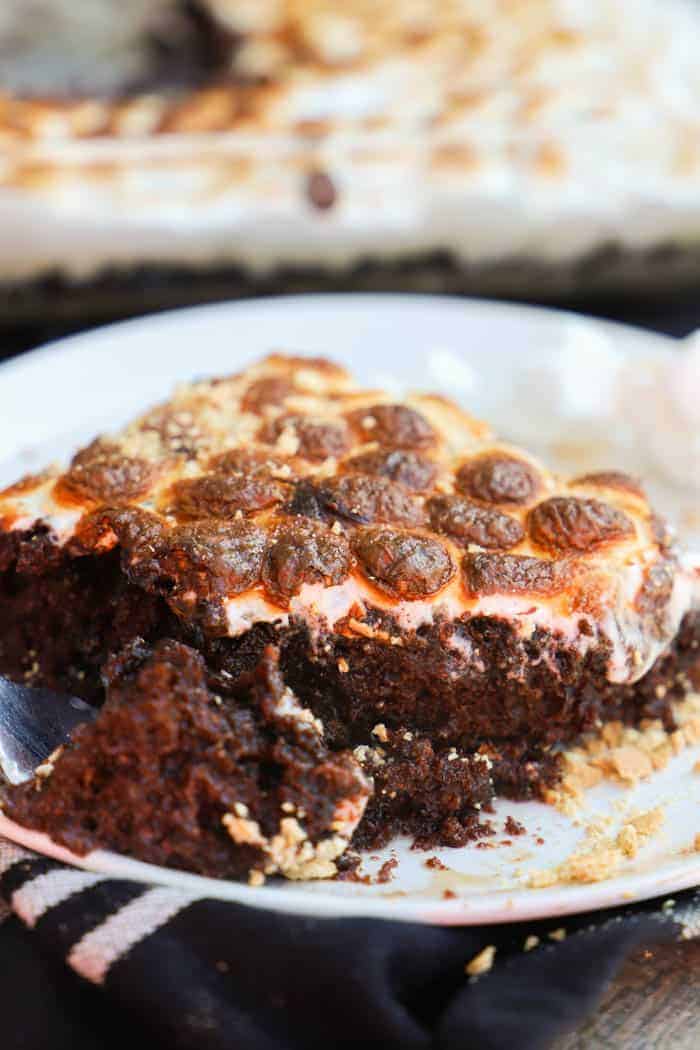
point(157, 153)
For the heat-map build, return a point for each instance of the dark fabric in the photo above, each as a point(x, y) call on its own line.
point(220, 976)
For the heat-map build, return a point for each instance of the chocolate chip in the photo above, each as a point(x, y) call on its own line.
point(404, 564)
point(263, 392)
point(320, 190)
point(221, 496)
point(495, 477)
point(410, 469)
point(103, 472)
point(362, 498)
point(315, 500)
point(577, 525)
point(215, 558)
point(394, 426)
point(314, 439)
point(246, 461)
point(513, 574)
point(305, 552)
point(469, 523)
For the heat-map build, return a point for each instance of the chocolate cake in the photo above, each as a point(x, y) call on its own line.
point(443, 606)
point(186, 150)
point(186, 769)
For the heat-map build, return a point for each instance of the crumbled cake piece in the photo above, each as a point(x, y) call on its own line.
point(177, 770)
point(434, 796)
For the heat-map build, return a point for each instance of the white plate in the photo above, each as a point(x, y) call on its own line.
point(519, 366)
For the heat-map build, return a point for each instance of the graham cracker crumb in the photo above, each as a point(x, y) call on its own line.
point(678, 741)
point(631, 764)
point(380, 732)
point(696, 843)
point(600, 857)
point(624, 755)
point(648, 823)
point(696, 767)
point(558, 934)
point(628, 840)
point(531, 942)
point(482, 962)
point(595, 866)
point(367, 631)
point(541, 880)
point(343, 665)
point(661, 756)
point(256, 878)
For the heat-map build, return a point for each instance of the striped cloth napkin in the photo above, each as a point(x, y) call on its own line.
point(191, 973)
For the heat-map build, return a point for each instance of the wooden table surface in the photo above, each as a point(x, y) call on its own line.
point(654, 1004)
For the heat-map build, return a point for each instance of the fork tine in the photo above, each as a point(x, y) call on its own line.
point(33, 722)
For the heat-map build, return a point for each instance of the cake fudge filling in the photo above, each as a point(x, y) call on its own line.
point(447, 609)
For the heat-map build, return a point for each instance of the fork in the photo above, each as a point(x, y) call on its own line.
point(33, 723)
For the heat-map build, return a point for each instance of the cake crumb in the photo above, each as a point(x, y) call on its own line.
point(696, 767)
point(482, 962)
point(256, 878)
point(449, 895)
point(557, 935)
point(696, 843)
point(513, 827)
point(436, 864)
point(531, 942)
point(343, 665)
point(386, 872)
point(380, 732)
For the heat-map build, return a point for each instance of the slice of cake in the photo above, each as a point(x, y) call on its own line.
point(444, 605)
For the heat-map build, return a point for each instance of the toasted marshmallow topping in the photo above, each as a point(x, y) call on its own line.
point(287, 493)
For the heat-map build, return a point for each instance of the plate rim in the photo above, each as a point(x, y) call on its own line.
point(76, 340)
point(524, 904)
